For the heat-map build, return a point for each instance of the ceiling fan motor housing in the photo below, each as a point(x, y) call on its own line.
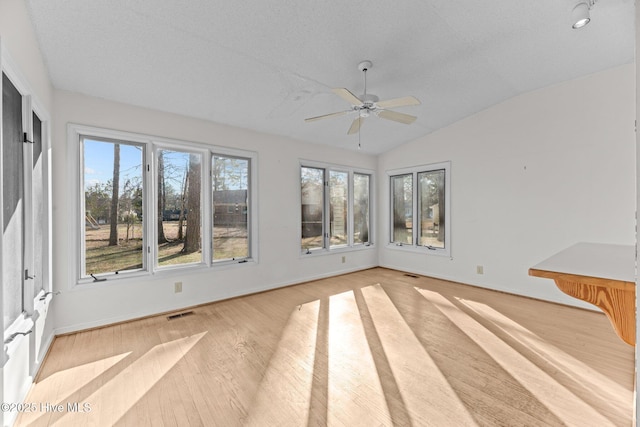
point(365, 65)
point(369, 104)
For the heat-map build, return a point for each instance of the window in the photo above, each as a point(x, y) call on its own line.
point(361, 188)
point(230, 186)
point(420, 212)
point(335, 206)
point(179, 207)
point(113, 206)
point(402, 196)
point(312, 183)
point(431, 207)
point(339, 209)
point(151, 204)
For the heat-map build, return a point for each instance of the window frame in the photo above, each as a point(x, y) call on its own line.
point(351, 245)
point(414, 172)
point(152, 144)
point(249, 209)
point(145, 184)
point(153, 234)
point(328, 195)
point(352, 217)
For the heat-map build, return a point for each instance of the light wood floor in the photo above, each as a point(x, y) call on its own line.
point(371, 348)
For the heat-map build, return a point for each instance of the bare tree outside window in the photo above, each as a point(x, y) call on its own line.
point(179, 210)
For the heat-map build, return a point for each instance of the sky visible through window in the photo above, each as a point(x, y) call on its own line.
point(98, 162)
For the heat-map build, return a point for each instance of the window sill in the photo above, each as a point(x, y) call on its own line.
point(322, 252)
point(419, 249)
point(88, 283)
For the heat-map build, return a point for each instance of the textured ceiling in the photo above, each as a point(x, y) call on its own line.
point(266, 65)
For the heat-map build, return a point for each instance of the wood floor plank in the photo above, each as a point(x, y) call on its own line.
point(375, 347)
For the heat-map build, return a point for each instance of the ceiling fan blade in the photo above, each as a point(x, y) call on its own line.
point(326, 116)
point(355, 126)
point(398, 102)
point(397, 117)
point(347, 96)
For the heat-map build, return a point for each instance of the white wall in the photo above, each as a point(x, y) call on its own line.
point(280, 262)
point(19, 37)
point(21, 358)
point(530, 177)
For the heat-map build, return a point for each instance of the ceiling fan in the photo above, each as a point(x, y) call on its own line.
point(368, 104)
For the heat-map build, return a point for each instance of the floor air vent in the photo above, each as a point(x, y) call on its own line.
point(179, 315)
point(411, 275)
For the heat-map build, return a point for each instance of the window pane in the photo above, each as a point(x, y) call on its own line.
point(431, 208)
point(13, 202)
point(312, 185)
point(361, 208)
point(402, 196)
point(179, 211)
point(38, 206)
point(338, 205)
point(113, 206)
point(230, 182)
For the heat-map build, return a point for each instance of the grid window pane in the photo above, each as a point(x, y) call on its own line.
point(230, 185)
point(402, 199)
point(312, 184)
point(113, 206)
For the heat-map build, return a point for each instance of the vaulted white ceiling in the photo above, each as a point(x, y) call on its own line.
point(268, 64)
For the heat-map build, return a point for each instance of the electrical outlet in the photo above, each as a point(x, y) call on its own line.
point(479, 269)
point(344, 259)
point(177, 287)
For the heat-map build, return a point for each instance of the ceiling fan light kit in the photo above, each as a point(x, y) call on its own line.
point(369, 104)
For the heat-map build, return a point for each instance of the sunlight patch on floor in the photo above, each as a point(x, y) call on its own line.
point(146, 372)
point(421, 383)
point(291, 363)
point(599, 385)
point(558, 399)
point(70, 380)
point(354, 389)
